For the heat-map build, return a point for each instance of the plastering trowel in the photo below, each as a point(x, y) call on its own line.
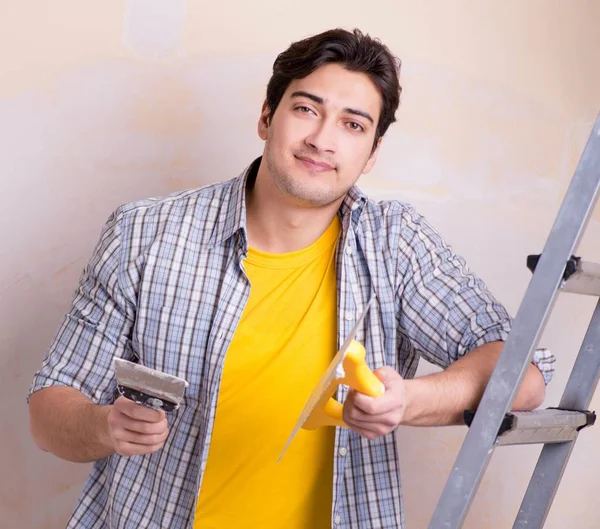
point(148, 387)
point(347, 367)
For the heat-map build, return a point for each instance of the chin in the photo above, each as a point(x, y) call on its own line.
point(316, 197)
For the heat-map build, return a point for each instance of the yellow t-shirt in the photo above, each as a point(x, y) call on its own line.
point(283, 344)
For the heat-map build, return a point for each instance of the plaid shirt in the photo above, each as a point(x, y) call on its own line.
point(166, 286)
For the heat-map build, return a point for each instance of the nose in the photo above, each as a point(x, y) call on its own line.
point(322, 138)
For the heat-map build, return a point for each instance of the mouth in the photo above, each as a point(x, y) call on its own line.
point(314, 165)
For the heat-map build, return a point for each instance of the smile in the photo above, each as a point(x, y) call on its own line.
point(313, 165)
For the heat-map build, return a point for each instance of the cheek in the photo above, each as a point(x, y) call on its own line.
point(352, 162)
point(357, 153)
point(295, 131)
point(279, 134)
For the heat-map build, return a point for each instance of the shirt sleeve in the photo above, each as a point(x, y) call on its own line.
point(447, 311)
point(96, 329)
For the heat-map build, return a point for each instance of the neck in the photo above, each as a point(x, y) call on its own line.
point(278, 224)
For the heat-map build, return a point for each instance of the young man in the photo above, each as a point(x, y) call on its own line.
point(246, 289)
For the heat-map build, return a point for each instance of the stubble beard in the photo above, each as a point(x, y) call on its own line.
point(306, 192)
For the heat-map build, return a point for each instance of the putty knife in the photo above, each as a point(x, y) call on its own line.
point(149, 387)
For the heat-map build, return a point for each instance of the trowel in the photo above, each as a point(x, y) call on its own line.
point(348, 367)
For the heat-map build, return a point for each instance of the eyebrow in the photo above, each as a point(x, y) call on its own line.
point(321, 101)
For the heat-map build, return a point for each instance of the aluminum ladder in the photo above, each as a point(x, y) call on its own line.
point(555, 270)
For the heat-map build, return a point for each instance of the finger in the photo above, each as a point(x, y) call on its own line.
point(142, 427)
point(365, 432)
point(375, 405)
point(373, 430)
point(126, 436)
point(131, 449)
point(387, 375)
point(140, 413)
point(353, 415)
point(381, 424)
point(137, 411)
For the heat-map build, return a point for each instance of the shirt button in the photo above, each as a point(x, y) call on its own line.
point(220, 335)
point(337, 520)
point(343, 451)
point(348, 250)
point(354, 206)
point(349, 316)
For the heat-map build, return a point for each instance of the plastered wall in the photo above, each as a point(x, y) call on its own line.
point(106, 102)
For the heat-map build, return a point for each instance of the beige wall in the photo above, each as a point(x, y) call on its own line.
point(100, 104)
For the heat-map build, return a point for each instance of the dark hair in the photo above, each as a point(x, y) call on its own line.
point(356, 51)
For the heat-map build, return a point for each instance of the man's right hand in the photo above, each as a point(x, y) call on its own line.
point(135, 429)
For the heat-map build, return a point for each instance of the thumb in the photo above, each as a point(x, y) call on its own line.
point(387, 375)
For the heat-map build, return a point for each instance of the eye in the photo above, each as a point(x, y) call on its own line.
point(305, 110)
point(353, 125)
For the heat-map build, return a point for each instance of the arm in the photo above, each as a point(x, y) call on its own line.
point(438, 399)
point(452, 320)
point(71, 398)
point(66, 423)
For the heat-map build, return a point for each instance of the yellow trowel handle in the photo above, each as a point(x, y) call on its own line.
point(357, 375)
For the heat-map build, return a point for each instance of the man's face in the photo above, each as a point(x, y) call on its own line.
point(320, 139)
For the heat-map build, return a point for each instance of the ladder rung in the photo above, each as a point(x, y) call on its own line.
point(585, 279)
point(540, 426)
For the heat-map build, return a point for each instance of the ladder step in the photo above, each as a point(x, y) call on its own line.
point(580, 277)
point(551, 425)
point(585, 279)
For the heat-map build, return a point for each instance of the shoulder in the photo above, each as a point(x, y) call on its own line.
point(174, 205)
point(390, 218)
point(196, 210)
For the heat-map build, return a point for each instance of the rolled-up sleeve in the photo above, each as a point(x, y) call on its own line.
point(96, 329)
point(447, 311)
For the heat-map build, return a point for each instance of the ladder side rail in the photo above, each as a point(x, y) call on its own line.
point(533, 313)
point(553, 459)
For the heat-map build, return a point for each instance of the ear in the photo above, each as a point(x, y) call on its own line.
point(263, 122)
point(373, 158)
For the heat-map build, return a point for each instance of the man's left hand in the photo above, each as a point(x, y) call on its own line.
point(376, 417)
